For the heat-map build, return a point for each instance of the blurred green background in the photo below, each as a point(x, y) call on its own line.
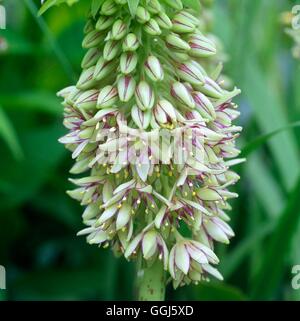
point(43, 257)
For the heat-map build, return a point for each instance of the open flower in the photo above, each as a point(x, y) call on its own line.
point(190, 261)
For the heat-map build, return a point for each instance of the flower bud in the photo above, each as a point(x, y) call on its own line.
point(179, 56)
point(204, 106)
point(92, 39)
point(89, 26)
point(66, 92)
point(141, 118)
point(126, 88)
point(142, 15)
point(131, 42)
point(90, 58)
point(175, 42)
point(104, 22)
point(201, 47)
point(181, 94)
point(103, 69)
point(191, 72)
point(211, 88)
point(144, 96)
point(183, 24)
point(164, 111)
point(128, 62)
point(152, 28)
point(111, 50)
point(86, 80)
point(153, 6)
point(74, 94)
point(189, 16)
point(175, 4)
point(87, 100)
point(163, 20)
point(108, 96)
point(154, 69)
point(119, 29)
point(109, 7)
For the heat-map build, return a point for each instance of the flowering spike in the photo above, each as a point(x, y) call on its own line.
point(152, 125)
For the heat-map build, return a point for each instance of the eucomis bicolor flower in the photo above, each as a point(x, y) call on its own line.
point(142, 75)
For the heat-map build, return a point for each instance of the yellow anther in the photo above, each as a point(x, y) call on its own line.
point(119, 206)
point(170, 173)
point(194, 193)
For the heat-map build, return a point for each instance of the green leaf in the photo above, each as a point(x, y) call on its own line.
point(193, 4)
point(7, 132)
point(50, 3)
point(96, 5)
point(20, 181)
point(50, 38)
point(133, 5)
point(280, 243)
point(271, 115)
point(32, 101)
point(233, 260)
point(260, 140)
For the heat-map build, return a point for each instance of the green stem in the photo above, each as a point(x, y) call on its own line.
point(151, 282)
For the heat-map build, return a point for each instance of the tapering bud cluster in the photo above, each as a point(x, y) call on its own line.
point(150, 127)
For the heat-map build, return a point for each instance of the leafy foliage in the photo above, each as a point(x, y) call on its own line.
point(50, 3)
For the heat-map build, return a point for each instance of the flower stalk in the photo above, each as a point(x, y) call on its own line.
point(151, 282)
